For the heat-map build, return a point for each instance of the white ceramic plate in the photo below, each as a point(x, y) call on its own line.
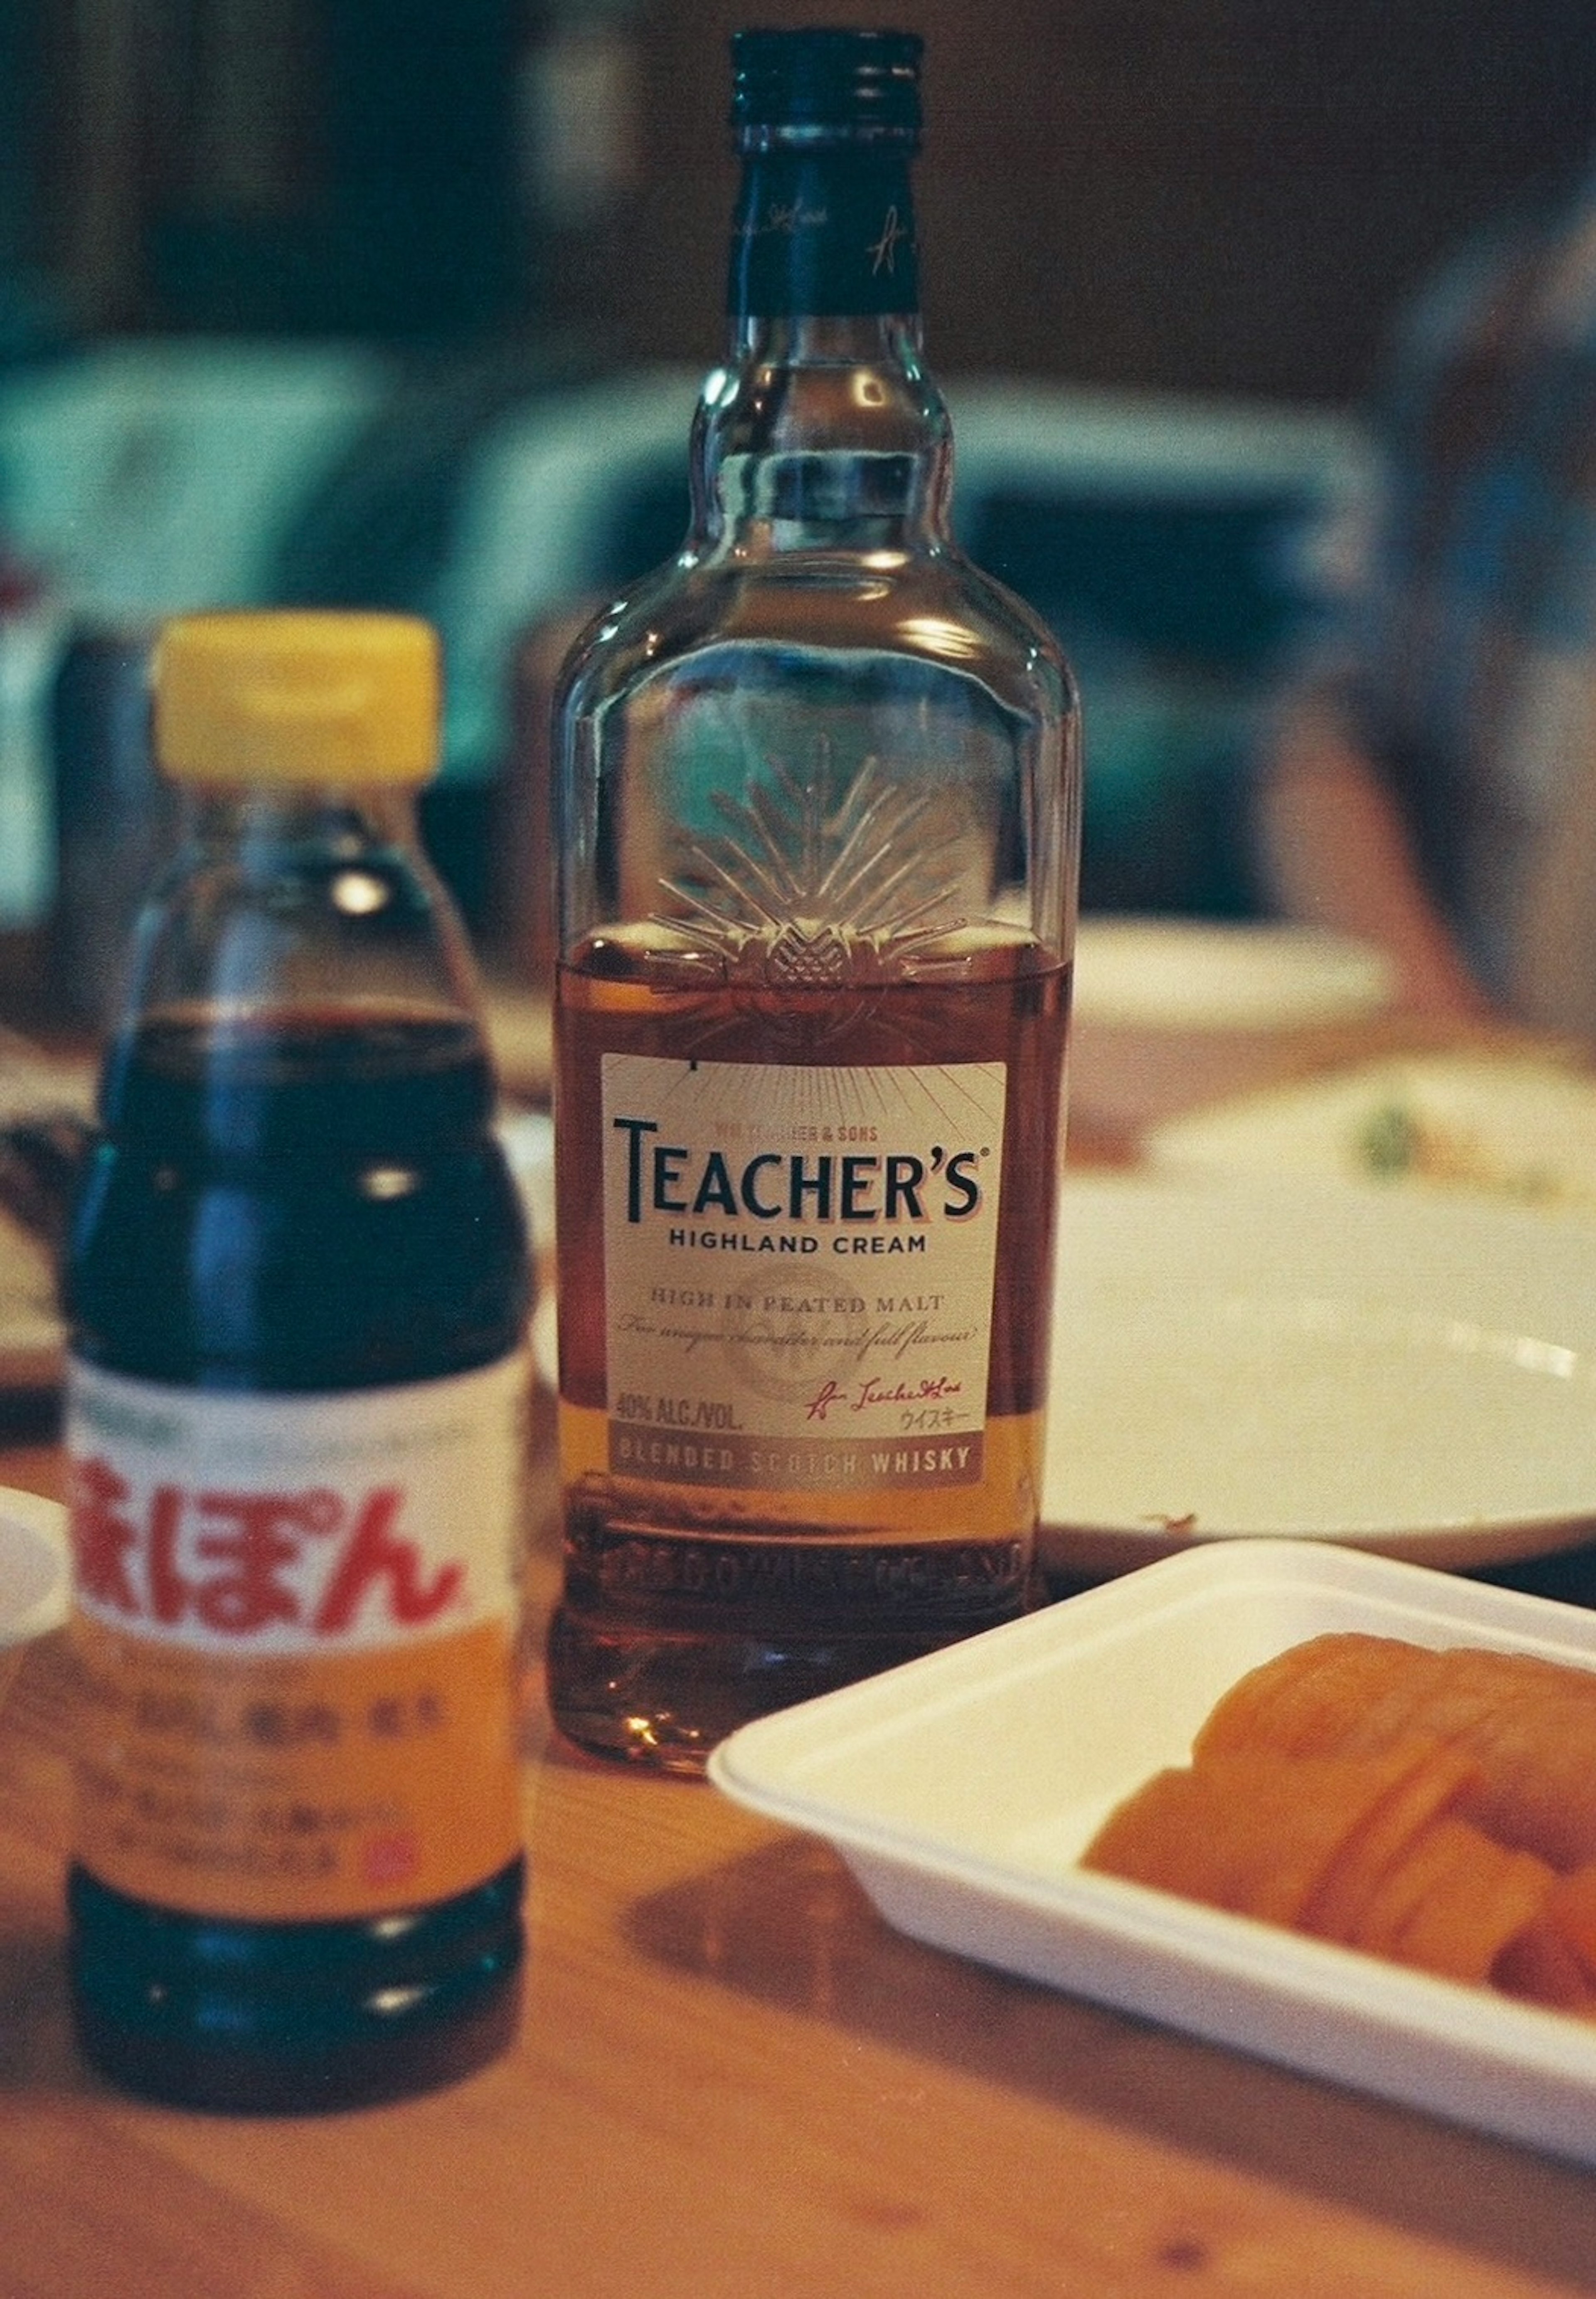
point(1186, 974)
point(961, 1789)
point(1515, 1129)
point(1413, 1376)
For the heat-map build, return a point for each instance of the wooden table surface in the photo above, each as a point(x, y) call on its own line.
point(733, 2081)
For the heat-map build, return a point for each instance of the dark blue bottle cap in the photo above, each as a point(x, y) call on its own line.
point(832, 86)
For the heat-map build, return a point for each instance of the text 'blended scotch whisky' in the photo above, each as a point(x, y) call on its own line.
point(818, 805)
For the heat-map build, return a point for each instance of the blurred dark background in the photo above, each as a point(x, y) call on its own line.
point(403, 303)
point(1204, 194)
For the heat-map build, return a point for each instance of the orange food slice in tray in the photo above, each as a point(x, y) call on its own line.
point(1554, 1960)
point(1571, 1914)
point(1422, 1781)
point(1366, 1851)
point(1431, 1864)
point(1528, 1725)
point(1244, 1833)
point(1314, 1697)
point(1531, 1726)
point(1479, 1898)
point(1303, 1841)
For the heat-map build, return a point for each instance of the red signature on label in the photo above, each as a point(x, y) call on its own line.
point(871, 1392)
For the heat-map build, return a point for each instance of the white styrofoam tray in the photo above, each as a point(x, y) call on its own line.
point(962, 1787)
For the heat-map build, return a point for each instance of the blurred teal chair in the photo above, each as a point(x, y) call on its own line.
point(1164, 539)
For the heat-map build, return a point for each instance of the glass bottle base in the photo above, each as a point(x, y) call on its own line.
point(293, 2019)
point(663, 1697)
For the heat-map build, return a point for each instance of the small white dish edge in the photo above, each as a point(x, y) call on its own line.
point(44, 1524)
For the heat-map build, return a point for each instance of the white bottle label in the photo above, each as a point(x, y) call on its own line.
point(798, 1265)
point(279, 1524)
point(293, 1630)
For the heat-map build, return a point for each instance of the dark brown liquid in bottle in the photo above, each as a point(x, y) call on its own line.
point(228, 1237)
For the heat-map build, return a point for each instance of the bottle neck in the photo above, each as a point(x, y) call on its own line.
point(824, 431)
point(286, 895)
point(826, 232)
point(264, 820)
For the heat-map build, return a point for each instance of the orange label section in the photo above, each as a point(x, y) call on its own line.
point(346, 1784)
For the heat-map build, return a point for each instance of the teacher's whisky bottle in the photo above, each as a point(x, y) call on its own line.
point(298, 1290)
point(817, 799)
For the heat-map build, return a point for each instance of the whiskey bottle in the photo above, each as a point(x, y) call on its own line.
point(817, 815)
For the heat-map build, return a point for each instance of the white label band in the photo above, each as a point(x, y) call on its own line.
point(257, 1525)
point(798, 1270)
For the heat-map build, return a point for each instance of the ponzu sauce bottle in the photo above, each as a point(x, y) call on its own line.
point(297, 1291)
point(817, 801)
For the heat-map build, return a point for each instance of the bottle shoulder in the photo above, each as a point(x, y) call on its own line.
point(334, 912)
point(934, 609)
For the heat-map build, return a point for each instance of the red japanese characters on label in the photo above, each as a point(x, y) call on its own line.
point(240, 1562)
point(286, 1524)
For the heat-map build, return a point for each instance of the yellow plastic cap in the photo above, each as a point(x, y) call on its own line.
point(285, 696)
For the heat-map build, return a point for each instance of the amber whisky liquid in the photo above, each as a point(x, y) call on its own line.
point(691, 1605)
